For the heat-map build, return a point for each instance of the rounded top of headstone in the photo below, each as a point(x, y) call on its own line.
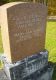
point(8, 5)
point(11, 4)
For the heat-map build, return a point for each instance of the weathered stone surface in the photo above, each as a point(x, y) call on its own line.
point(45, 74)
point(27, 66)
point(23, 28)
point(2, 75)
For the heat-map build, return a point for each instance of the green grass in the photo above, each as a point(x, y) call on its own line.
point(51, 40)
point(50, 43)
point(1, 47)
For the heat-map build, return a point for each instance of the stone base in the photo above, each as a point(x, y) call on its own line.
point(34, 67)
point(44, 74)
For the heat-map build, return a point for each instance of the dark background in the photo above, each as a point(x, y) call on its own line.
point(50, 3)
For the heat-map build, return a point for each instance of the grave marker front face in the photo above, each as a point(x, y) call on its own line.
point(23, 28)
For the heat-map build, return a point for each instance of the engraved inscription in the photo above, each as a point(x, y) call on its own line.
point(29, 24)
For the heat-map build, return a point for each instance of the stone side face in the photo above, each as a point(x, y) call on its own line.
point(5, 33)
point(23, 29)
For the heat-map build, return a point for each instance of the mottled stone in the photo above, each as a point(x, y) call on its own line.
point(44, 74)
point(27, 66)
point(2, 75)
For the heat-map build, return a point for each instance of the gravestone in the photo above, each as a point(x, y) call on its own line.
point(23, 27)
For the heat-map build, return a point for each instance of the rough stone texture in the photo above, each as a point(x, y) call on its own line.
point(27, 66)
point(45, 74)
point(2, 75)
point(23, 28)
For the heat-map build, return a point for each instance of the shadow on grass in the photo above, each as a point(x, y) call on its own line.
point(54, 72)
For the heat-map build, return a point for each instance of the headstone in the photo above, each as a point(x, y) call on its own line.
point(23, 27)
